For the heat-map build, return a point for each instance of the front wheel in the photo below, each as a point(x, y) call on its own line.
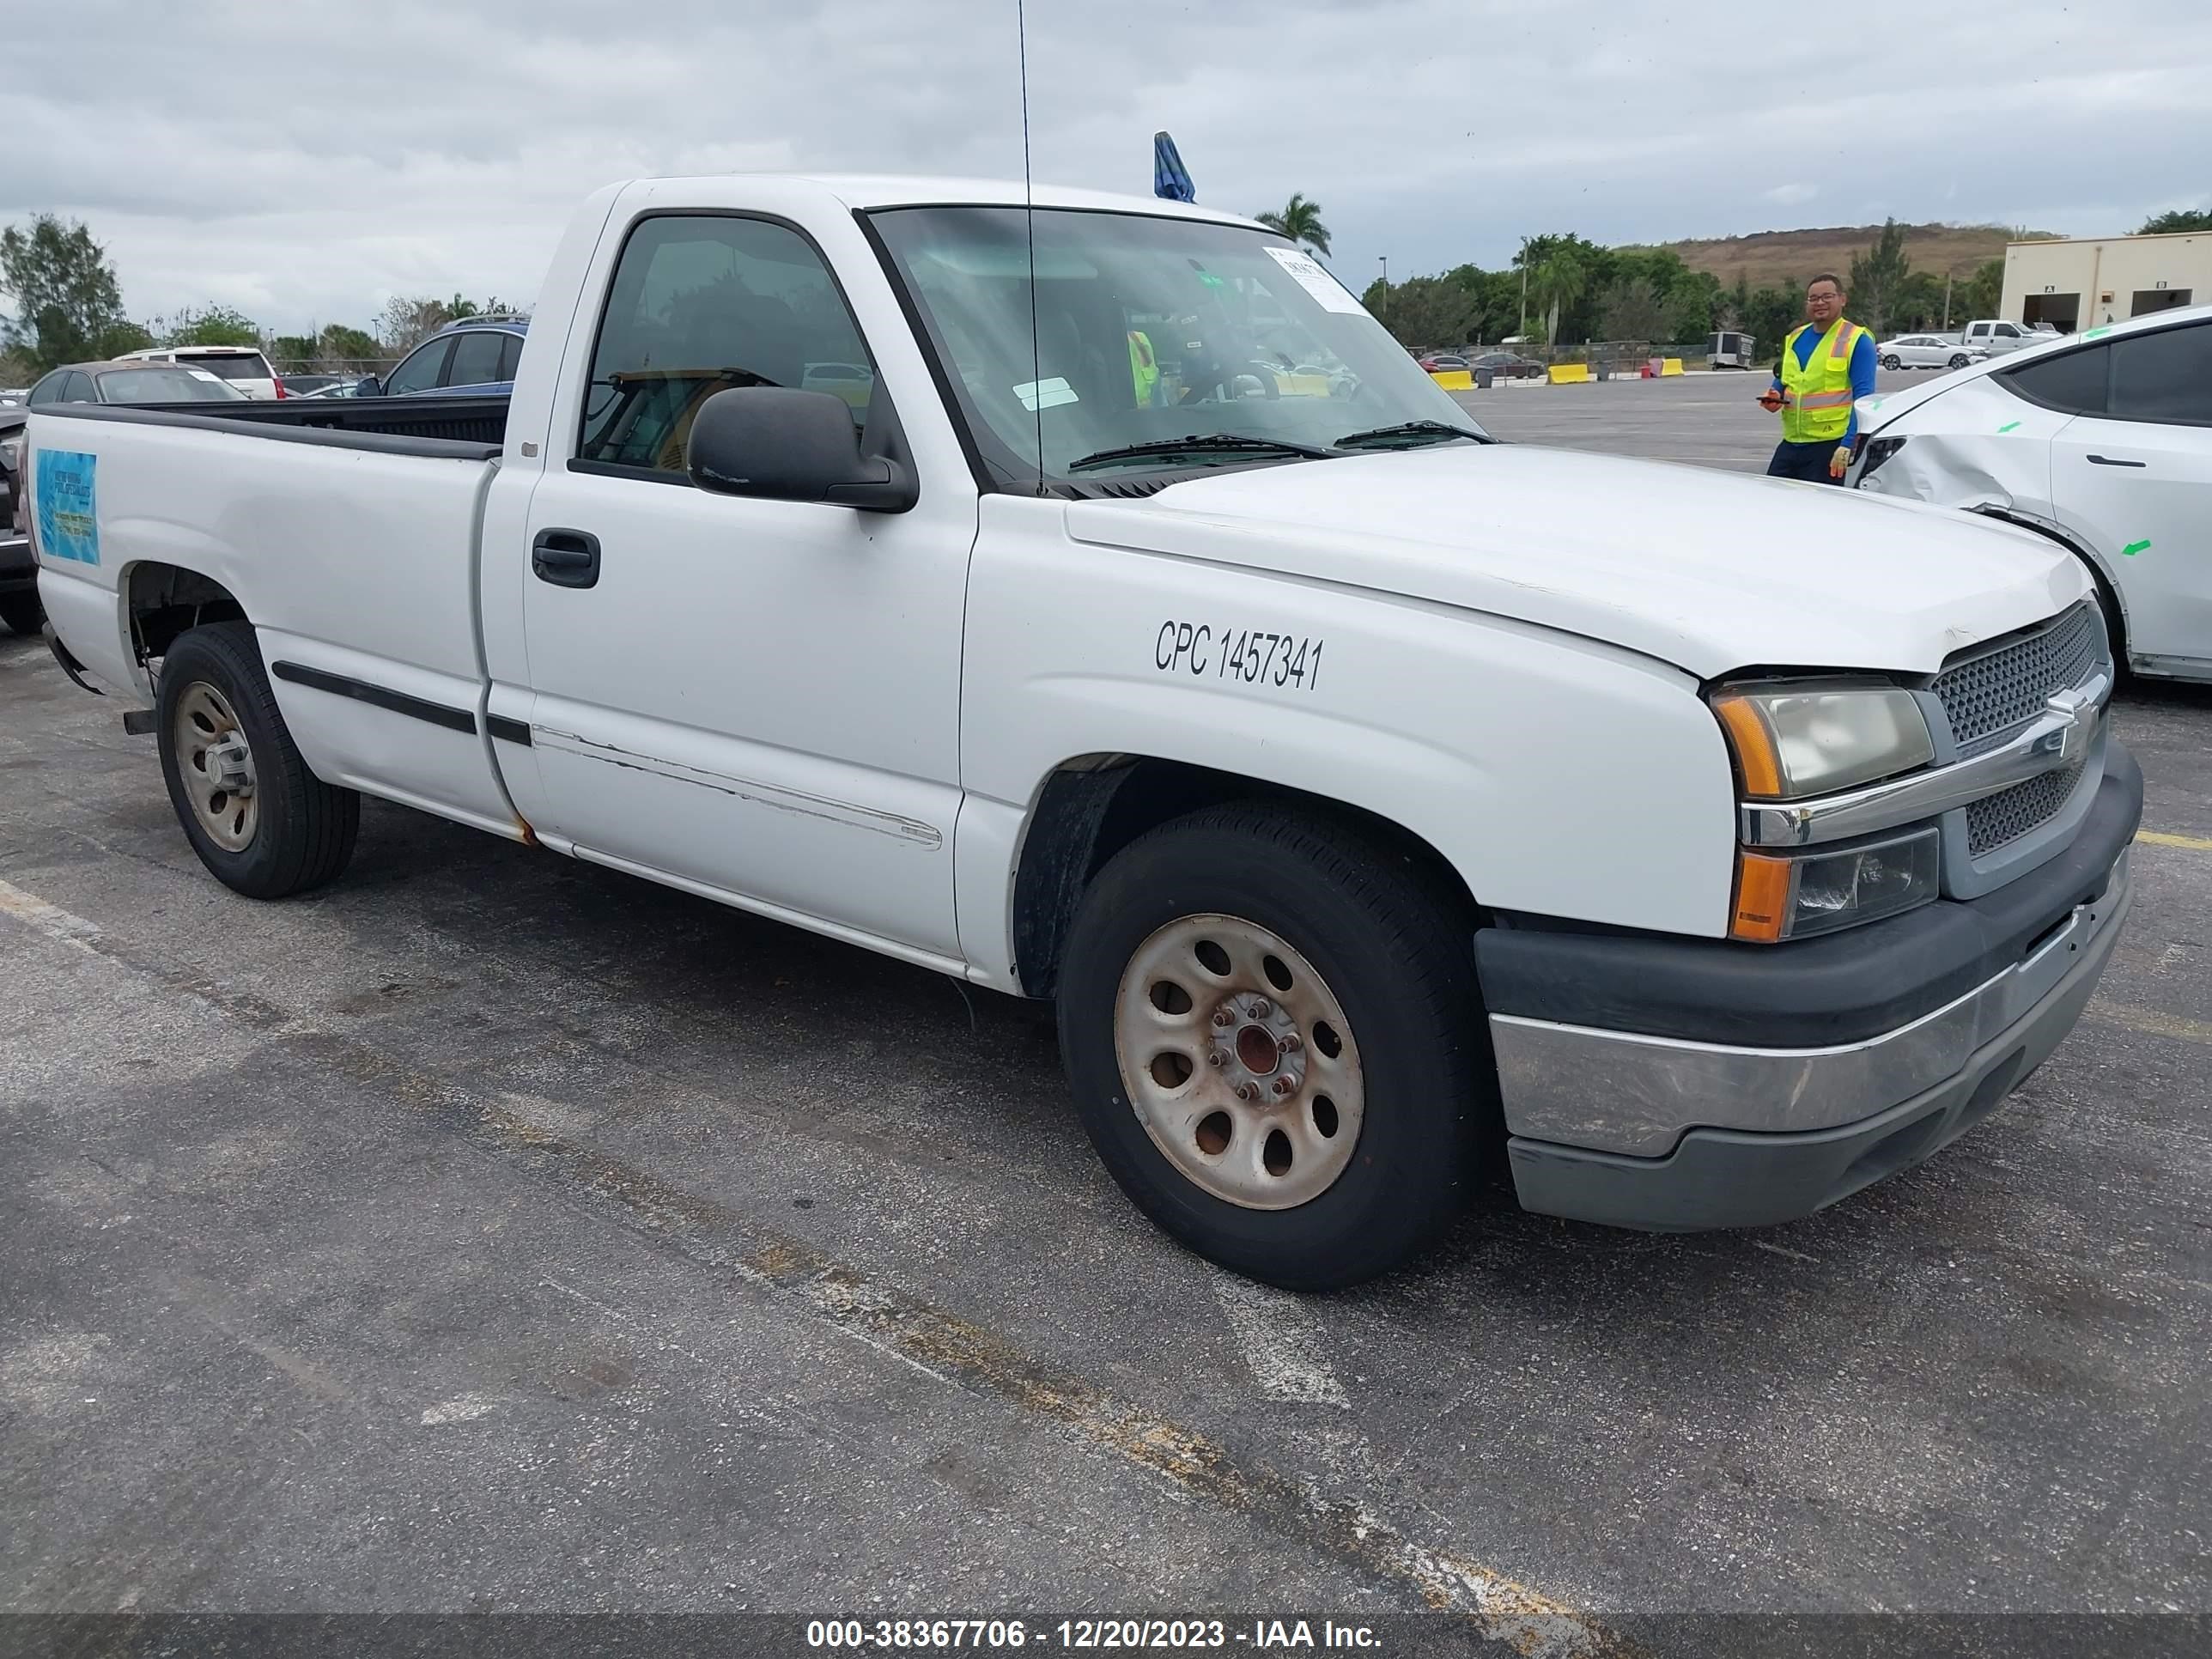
point(1272, 1032)
point(1959, 360)
point(261, 821)
point(1893, 362)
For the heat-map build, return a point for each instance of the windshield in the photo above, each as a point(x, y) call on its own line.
point(164, 386)
point(1147, 331)
point(231, 365)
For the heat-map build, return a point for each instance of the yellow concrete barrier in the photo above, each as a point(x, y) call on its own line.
point(1564, 373)
point(1670, 366)
point(1302, 385)
point(1453, 379)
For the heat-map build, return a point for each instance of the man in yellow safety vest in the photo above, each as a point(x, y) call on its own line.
point(1827, 365)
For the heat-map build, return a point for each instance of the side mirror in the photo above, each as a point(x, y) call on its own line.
point(782, 445)
point(367, 386)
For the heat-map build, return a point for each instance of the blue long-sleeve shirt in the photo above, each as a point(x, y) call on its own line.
point(1862, 367)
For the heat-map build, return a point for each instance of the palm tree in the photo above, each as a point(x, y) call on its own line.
point(1556, 284)
point(1300, 221)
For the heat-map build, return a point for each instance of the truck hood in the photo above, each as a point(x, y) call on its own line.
point(1707, 570)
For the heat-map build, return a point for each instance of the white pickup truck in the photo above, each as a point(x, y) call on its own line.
point(1002, 591)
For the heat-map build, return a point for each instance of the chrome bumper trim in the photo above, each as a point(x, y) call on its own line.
point(1624, 1092)
point(2060, 736)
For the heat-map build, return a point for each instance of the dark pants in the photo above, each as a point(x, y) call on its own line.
point(1808, 462)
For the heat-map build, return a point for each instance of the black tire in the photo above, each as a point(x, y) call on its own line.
point(304, 828)
point(1893, 362)
point(1959, 360)
point(1395, 952)
point(22, 611)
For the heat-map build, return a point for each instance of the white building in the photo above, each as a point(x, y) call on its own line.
point(2080, 284)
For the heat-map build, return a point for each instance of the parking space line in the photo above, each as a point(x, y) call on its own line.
point(1281, 1343)
point(51, 919)
point(2150, 1022)
point(2157, 838)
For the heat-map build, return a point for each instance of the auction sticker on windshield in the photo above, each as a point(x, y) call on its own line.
point(69, 525)
point(1309, 275)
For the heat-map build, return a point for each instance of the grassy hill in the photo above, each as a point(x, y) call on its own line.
point(1772, 255)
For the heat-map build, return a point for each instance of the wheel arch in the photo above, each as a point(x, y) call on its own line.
point(161, 600)
point(1090, 807)
point(2108, 587)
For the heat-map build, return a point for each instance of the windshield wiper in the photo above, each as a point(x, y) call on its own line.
point(1439, 430)
point(1217, 443)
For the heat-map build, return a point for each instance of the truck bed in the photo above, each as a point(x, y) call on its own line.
point(475, 426)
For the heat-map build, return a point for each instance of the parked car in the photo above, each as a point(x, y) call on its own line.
point(1437, 362)
point(132, 381)
point(244, 366)
point(2100, 442)
point(342, 389)
point(1270, 764)
point(1929, 351)
point(1509, 366)
point(474, 356)
point(307, 386)
point(1997, 336)
point(19, 569)
point(12, 397)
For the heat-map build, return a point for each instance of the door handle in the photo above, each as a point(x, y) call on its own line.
point(2107, 460)
point(566, 558)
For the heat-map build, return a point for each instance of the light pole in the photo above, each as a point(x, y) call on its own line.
point(1385, 259)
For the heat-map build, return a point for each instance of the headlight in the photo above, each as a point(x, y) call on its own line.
point(1811, 738)
point(1783, 898)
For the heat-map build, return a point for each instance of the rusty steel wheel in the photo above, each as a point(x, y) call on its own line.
point(217, 764)
point(1239, 1061)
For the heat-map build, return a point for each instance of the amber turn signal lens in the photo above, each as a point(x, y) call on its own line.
point(1753, 745)
point(1762, 898)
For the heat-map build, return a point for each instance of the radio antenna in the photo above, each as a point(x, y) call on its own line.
point(1028, 217)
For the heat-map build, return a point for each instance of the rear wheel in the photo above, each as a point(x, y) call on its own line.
point(22, 611)
point(1272, 1032)
point(260, 821)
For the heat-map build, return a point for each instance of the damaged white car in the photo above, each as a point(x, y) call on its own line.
point(2100, 440)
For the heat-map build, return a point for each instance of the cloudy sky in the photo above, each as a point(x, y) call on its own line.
point(304, 160)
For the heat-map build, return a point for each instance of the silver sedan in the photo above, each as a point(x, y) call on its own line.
point(1927, 351)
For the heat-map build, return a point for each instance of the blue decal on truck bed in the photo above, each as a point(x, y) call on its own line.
point(69, 523)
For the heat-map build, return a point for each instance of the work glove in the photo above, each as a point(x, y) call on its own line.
point(1840, 461)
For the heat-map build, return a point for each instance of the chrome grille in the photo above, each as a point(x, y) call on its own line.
point(1987, 696)
point(1999, 819)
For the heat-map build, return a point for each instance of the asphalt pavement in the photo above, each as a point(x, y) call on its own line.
point(492, 1232)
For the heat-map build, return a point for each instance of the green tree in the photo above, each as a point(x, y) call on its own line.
point(1979, 294)
point(1299, 220)
point(2159, 224)
point(207, 325)
point(1425, 310)
point(1633, 308)
point(1877, 276)
point(1693, 306)
point(338, 347)
point(1917, 304)
point(1555, 285)
point(1773, 312)
point(291, 353)
point(68, 303)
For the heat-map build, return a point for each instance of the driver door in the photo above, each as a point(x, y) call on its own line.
point(757, 700)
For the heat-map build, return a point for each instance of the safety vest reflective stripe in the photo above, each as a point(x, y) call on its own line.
point(1824, 399)
point(1846, 337)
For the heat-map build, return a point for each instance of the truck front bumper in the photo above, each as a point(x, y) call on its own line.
point(1664, 1129)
